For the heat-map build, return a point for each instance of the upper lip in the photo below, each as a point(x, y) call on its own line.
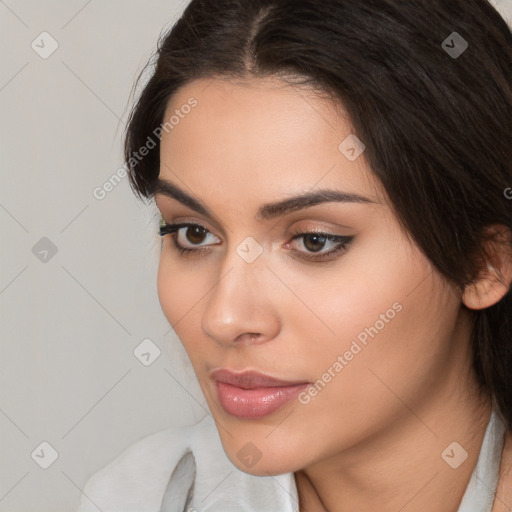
point(250, 379)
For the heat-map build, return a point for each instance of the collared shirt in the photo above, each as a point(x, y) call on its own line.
point(186, 470)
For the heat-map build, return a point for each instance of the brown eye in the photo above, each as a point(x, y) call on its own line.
point(195, 234)
point(314, 243)
point(187, 237)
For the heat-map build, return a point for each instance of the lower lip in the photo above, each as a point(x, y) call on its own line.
point(255, 403)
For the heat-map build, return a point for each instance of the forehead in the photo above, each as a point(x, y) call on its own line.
point(268, 110)
point(260, 134)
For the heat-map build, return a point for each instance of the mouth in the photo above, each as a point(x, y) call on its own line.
point(252, 394)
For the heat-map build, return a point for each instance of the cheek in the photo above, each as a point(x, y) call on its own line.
point(181, 293)
point(178, 290)
point(167, 285)
point(391, 350)
point(360, 299)
point(390, 315)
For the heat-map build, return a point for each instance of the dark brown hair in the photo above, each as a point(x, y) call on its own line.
point(437, 125)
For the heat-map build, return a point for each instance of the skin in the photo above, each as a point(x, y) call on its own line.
point(372, 439)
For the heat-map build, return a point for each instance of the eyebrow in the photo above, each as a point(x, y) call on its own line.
point(267, 211)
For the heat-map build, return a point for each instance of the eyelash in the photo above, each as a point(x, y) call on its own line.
point(173, 229)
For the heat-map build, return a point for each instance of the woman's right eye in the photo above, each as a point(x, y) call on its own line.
point(192, 233)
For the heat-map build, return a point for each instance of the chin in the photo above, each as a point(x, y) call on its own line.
point(259, 459)
point(269, 468)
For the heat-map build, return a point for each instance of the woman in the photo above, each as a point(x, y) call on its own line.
point(334, 184)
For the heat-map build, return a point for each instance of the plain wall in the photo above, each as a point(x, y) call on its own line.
point(77, 272)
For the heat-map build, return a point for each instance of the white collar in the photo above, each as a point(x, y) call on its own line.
point(480, 492)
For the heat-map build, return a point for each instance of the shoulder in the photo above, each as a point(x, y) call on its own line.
point(136, 479)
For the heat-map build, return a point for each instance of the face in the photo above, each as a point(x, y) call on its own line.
point(330, 298)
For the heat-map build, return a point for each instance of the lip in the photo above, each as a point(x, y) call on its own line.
point(250, 394)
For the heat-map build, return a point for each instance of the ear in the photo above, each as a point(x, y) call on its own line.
point(494, 278)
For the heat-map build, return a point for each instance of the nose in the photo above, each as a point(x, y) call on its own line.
point(242, 307)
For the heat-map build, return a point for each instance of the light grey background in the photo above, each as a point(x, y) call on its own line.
point(70, 321)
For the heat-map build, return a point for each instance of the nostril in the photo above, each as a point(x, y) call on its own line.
point(248, 337)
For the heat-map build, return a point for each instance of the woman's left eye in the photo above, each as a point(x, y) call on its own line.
point(313, 241)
